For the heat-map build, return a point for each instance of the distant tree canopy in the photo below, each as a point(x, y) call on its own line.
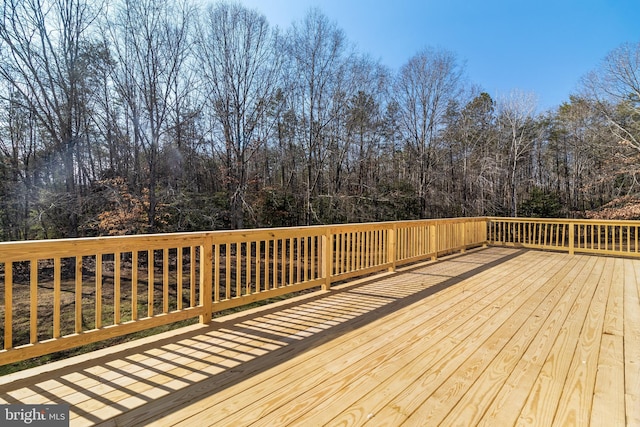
point(155, 115)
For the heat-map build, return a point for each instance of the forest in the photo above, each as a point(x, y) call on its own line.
point(146, 116)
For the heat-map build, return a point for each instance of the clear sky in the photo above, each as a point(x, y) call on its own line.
point(540, 46)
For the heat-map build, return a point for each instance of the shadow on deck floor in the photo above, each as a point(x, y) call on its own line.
point(139, 382)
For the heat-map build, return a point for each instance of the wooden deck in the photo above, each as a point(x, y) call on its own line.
point(494, 337)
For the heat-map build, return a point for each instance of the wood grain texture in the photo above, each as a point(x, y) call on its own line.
point(512, 395)
point(632, 342)
point(493, 337)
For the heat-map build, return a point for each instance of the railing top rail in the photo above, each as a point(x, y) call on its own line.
point(30, 249)
point(566, 220)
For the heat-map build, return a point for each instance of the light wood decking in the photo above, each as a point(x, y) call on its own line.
point(493, 337)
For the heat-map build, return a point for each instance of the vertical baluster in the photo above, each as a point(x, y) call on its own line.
point(165, 280)
point(366, 236)
point(358, 250)
point(338, 252)
point(628, 238)
point(57, 302)
point(258, 264)
point(405, 245)
point(227, 283)
point(267, 251)
point(98, 301)
point(116, 287)
point(193, 276)
point(238, 246)
point(374, 251)
point(311, 257)
point(248, 260)
point(291, 259)
point(134, 285)
point(344, 264)
point(8, 305)
point(412, 237)
point(302, 258)
point(348, 251)
point(361, 248)
point(283, 262)
point(179, 277)
point(33, 301)
point(411, 243)
point(150, 281)
point(78, 295)
point(274, 267)
point(299, 276)
point(216, 278)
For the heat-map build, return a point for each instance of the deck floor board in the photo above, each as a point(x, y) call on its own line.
point(497, 336)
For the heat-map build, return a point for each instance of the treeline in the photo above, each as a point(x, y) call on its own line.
point(139, 116)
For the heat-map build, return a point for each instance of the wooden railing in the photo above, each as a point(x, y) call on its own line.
point(618, 238)
point(60, 294)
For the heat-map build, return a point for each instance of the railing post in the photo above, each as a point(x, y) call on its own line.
point(486, 232)
point(206, 278)
point(391, 247)
point(327, 259)
point(433, 241)
point(572, 237)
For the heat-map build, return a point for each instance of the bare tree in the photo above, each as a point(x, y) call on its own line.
point(151, 43)
point(470, 138)
point(19, 146)
point(615, 87)
point(516, 119)
point(240, 71)
point(45, 44)
point(578, 146)
point(317, 49)
point(426, 84)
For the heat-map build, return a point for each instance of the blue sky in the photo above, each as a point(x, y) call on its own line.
point(540, 46)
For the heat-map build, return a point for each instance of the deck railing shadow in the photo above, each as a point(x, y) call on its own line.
point(163, 374)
